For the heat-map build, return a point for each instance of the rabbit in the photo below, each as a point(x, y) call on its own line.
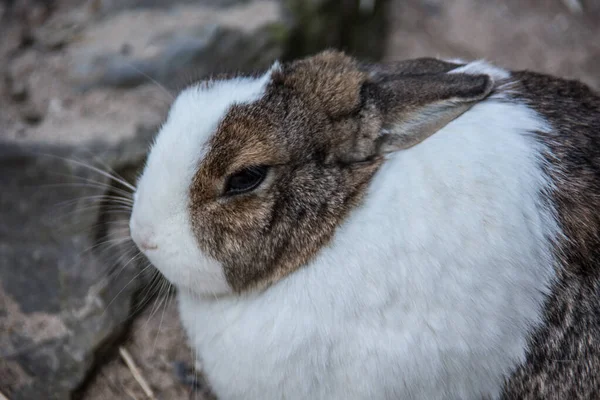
point(421, 229)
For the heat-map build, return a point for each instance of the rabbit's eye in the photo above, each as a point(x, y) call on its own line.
point(246, 180)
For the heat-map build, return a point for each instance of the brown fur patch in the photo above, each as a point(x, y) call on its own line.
point(330, 82)
point(263, 235)
point(319, 130)
point(564, 357)
point(415, 67)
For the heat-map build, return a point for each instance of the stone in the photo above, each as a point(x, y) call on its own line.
point(18, 91)
point(62, 306)
point(115, 6)
point(199, 39)
point(31, 114)
point(178, 46)
point(59, 30)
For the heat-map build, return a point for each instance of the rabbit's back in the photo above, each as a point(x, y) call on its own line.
point(564, 357)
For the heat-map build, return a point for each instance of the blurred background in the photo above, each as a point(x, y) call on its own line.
point(84, 84)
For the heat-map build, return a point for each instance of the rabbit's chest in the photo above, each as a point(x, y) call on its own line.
point(389, 349)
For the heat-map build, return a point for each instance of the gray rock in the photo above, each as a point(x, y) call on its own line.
point(31, 114)
point(180, 45)
point(113, 6)
point(196, 41)
point(62, 305)
point(18, 91)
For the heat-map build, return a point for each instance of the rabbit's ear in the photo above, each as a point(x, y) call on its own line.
point(413, 67)
point(414, 107)
point(379, 108)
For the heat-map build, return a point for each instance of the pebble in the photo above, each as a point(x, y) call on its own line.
point(31, 114)
point(18, 91)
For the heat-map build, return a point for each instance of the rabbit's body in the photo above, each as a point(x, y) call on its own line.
point(428, 279)
point(564, 357)
point(393, 308)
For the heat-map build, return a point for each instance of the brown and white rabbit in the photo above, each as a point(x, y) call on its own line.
point(415, 230)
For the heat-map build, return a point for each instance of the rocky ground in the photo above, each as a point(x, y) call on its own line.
point(87, 84)
point(90, 80)
point(559, 37)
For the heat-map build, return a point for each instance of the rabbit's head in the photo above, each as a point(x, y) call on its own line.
point(250, 177)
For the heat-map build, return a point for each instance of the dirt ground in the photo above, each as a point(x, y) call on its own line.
point(156, 342)
point(554, 36)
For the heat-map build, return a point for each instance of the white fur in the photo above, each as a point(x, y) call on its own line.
point(428, 291)
point(482, 67)
point(160, 213)
point(455, 60)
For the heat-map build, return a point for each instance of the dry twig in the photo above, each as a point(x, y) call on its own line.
point(137, 375)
